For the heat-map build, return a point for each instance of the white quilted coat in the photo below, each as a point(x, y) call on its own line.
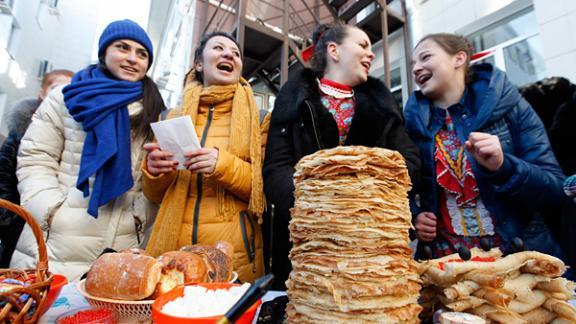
point(48, 164)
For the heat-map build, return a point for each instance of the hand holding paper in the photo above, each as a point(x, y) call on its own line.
point(202, 160)
point(159, 161)
point(176, 136)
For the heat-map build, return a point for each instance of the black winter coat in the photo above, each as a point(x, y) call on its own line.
point(10, 224)
point(300, 126)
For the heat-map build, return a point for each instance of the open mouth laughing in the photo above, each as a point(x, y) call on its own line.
point(225, 66)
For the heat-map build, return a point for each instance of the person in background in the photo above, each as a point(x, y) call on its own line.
point(79, 162)
point(217, 194)
point(334, 103)
point(19, 117)
point(487, 165)
point(554, 100)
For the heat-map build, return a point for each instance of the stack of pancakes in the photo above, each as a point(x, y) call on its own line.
point(351, 260)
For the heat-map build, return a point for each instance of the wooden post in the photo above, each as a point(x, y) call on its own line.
point(385, 47)
point(407, 47)
point(240, 13)
point(285, 46)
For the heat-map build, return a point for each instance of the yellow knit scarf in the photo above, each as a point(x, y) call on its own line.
point(244, 143)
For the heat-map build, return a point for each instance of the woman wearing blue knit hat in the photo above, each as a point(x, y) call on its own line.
point(79, 162)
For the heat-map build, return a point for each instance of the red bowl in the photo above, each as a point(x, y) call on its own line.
point(56, 285)
point(159, 317)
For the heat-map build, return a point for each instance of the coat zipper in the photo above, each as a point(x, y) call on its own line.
point(199, 179)
point(271, 247)
point(249, 244)
point(312, 115)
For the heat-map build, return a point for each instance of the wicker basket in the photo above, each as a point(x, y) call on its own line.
point(14, 308)
point(129, 310)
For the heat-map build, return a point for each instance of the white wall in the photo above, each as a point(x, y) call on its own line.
point(66, 37)
point(73, 42)
point(31, 43)
point(557, 21)
point(435, 16)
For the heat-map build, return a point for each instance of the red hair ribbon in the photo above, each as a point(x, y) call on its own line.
point(307, 53)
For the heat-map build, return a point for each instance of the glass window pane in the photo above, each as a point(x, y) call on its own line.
point(524, 64)
point(522, 23)
point(271, 100)
point(395, 78)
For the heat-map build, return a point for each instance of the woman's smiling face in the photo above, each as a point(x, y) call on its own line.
point(127, 60)
point(221, 62)
point(434, 69)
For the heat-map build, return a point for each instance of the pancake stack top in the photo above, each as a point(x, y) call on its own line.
point(351, 260)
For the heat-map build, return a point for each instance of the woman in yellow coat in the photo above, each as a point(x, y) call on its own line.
point(219, 195)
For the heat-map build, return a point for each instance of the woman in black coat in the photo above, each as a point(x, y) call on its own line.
point(334, 103)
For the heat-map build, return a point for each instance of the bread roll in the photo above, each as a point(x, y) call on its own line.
point(219, 264)
point(169, 279)
point(190, 264)
point(123, 276)
point(178, 268)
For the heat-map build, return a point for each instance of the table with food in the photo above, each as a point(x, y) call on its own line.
point(351, 259)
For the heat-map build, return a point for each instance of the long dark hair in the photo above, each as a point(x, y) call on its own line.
point(200, 49)
point(453, 44)
point(323, 35)
point(153, 106)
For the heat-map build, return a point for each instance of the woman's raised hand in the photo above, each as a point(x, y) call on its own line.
point(202, 160)
point(486, 150)
point(159, 161)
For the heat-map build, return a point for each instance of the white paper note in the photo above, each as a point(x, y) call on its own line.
point(176, 135)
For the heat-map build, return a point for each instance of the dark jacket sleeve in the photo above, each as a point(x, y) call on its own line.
point(8, 184)
point(8, 180)
point(279, 168)
point(531, 176)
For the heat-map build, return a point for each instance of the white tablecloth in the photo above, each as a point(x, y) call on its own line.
point(68, 300)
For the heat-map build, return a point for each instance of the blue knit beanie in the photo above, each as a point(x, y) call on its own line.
point(125, 29)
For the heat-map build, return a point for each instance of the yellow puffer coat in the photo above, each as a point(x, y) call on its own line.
point(234, 175)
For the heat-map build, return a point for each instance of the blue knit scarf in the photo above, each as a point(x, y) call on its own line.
point(99, 103)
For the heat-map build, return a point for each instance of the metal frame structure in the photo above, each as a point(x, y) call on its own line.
point(272, 34)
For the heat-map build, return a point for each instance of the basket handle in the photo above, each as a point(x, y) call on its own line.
point(42, 264)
